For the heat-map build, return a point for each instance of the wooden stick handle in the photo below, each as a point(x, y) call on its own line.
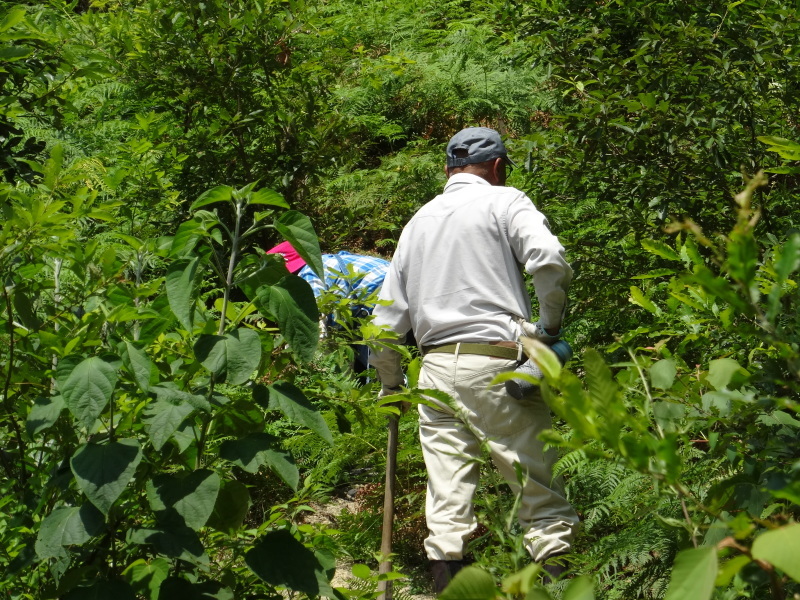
point(385, 587)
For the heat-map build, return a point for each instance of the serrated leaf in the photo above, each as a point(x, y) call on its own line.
point(291, 303)
point(470, 583)
point(13, 53)
point(233, 356)
point(293, 403)
point(279, 559)
point(88, 389)
point(638, 297)
point(12, 17)
point(191, 497)
point(261, 449)
point(781, 548)
point(660, 249)
point(297, 229)
point(103, 471)
point(180, 285)
point(66, 526)
point(693, 574)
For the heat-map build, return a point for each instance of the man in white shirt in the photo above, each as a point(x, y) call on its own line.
point(456, 282)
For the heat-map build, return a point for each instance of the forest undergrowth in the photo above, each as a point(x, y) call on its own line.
point(170, 419)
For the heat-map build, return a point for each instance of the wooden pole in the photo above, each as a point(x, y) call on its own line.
point(385, 587)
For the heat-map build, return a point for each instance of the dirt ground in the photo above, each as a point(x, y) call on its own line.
point(328, 514)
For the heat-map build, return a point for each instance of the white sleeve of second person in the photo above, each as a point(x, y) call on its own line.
point(543, 257)
point(395, 317)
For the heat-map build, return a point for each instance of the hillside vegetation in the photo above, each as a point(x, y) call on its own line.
point(169, 414)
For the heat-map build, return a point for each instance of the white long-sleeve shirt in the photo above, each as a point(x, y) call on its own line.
point(456, 275)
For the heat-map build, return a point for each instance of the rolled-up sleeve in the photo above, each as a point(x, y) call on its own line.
point(543, 257)
point(391, 313)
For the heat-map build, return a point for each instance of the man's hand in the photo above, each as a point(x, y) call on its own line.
point(536, 331)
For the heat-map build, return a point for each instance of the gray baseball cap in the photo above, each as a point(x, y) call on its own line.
point(480, 143)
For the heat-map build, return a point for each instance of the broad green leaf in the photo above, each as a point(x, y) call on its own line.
point(268, 196)
point(162, 419)
point(279, 559)
point(781, 548)
point(230, 509)
point(221, 193)
point(168, 392)
point(138, 363)
point(293, 403)
point(361, 571)
point(723, 371)
point(580, 588)
point(470, 583)
point(102, 590)
point(190, 496)
point(668, 414)
point(66, 526)
point(233, 356)
point(258, 449)
point(660, 249)
point(662, 374)
point(88, 389)
point(176, 542)
point(43, 414)
point(693, 574)
point(638, 297)
point(180, 284)
point(186, 237)
point(730, 568)
point(177, 587)
point(146, 577)
point(291, 303)
point(103, 470)
point(297, 229)
point(24, 308)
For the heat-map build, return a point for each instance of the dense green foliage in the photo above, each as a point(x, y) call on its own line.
point(169, 415)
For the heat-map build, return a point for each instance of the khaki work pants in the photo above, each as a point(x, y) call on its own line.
point(451, 443)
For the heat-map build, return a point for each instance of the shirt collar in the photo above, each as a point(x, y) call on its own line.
point(459, 180)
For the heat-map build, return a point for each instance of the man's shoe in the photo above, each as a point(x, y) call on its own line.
point(443, 571)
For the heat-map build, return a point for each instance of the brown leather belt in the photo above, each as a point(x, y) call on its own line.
point(505, 349)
